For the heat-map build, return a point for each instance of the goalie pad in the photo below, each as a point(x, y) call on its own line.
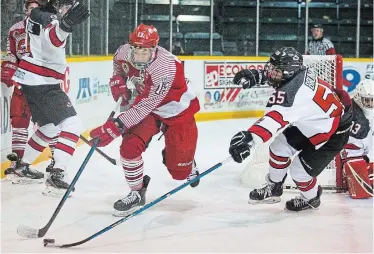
point(357, 176)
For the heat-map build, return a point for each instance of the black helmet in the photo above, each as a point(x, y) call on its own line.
point(283, 65)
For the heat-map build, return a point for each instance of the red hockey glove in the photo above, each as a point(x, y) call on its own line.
point(7, 71)
point(106, 133)
point(119, 89)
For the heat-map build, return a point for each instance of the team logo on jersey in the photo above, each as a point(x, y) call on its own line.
point(125, 68)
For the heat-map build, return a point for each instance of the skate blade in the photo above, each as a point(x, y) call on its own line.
point(54, 192)
point(304, 210)
point(117, 213)
point(27, 232)
point(271, 200)
point(26, 181)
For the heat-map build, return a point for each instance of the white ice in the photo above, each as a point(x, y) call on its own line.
point(215, 217)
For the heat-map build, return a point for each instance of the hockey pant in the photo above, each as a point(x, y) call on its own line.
point(51, 108)
point(308, 162)
point(357, 171)
point(179, 152)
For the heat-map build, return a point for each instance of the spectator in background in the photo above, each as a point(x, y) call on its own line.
point(176, 47)
point(320, 45)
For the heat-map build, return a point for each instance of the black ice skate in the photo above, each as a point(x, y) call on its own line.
point(56, 183)
point(194, 173)
point(301, 203)
point(133, 201)
point(51, 164)
point(21, 173)
point(269, 194)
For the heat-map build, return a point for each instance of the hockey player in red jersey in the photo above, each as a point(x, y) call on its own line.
point(357, 164)
point(165, 103)
point(310, 124)
point(19, 109)
point(39, 74)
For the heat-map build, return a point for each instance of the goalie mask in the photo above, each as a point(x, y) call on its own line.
point(364, 96)
point(283, 65)
point(143, 40)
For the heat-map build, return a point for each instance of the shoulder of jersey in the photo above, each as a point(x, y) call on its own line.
point(291, 88)
point(360, 118)
point(42, 17)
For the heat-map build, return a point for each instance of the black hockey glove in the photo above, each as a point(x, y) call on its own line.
point(249, 78)
point(75, 15)
point(240, 146)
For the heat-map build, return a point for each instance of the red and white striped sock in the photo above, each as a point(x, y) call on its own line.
point(19, 140)
point(133, 169)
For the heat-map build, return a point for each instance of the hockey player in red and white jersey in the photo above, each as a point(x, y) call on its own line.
point(308, 120)
point(19, 109)
point(356, 156)
point(165, 103)
point(39, 74)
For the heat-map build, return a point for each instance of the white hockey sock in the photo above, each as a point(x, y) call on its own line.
point(38, 141)
point(278, 167)
point(67, 141)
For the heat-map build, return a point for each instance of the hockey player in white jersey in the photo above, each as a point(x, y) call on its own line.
point(357, 154)
point(309, 121)
point(39, 75)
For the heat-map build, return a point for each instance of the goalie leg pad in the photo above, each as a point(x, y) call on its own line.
point(357, 175)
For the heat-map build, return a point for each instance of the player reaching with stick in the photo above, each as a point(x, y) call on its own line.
point(307, 118)
point(165, 102)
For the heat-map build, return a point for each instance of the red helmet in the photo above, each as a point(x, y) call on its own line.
point(144, 36)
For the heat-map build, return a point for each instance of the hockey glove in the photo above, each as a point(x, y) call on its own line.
point(240, 146)
point(249, 78)
point(75, 15)
point(107, 132)
point(119, 89)
point(7, 71)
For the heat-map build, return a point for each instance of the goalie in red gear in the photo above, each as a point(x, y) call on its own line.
point(17, 47)
point(357, 168)
point(165, 102)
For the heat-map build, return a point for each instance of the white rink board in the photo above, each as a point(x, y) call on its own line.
point(88, 89)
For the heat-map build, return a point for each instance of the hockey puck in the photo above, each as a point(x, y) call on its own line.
point(46, 241)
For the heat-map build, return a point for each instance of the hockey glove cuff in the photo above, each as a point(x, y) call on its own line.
point(107, 132)
point(119, 89)
point(240, 146)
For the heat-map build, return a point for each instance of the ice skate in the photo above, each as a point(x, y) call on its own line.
point(133, 201)
point(51, 163)
point(56, 183)
point(269, 194)
point(194, 173)
point(300, 203)
point(21, 173)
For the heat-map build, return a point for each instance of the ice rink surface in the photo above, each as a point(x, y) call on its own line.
point(214, 217)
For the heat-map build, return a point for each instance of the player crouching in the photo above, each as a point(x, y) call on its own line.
point(309, 120)
point(165, 102)
point(357, 168)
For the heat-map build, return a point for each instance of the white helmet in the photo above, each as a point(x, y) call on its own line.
point(364, 96)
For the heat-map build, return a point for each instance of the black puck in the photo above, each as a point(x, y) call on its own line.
point(46, 241)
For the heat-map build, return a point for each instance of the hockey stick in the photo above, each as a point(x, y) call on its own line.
point(29, 232)
point(111, 160)
point(147, 206)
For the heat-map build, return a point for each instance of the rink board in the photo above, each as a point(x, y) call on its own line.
point(87, 85)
